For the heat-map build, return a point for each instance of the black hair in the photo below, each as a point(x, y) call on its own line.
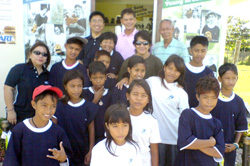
point(207, 84)
point(41, 44)
point(96, 13)
point(97, 67)
point(108, 36)
point(68, 76)
point(227, 67)
point(45, 93)
point(100, 53)
point(199, 40)
point(134, 60)
point(75, 41)
point(144, 35)
point(180, 66)
point(127, 11)
point(141, 82)
point(114, 114)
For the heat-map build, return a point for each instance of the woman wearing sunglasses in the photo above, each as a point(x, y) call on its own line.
point(25, 77)
point(142, 43)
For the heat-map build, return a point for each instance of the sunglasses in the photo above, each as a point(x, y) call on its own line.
point(145, 43)
point(40, 53)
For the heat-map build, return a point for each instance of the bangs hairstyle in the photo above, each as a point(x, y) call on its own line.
point(108, 36)
point(207, 84)
point(199, 40)
point(127, 11)
point(227, 67)
point(134, 60)
point(68, 76)
point(114, 114)
point(142, 83)
point(75, 41)
point(41, 44)
point(100, 53)
point(144, 35)
point(97, 66)
point(180, 66)
point(52, 94)
point(96, 13)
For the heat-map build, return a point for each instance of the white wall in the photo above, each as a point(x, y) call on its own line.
point(11, 54)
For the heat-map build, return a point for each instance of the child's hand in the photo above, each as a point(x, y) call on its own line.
point(213, 141)
point(59, 155)
point(119, 85)
point(229, 148)
point(87, 158)
point(111, 75)
point(98, 95)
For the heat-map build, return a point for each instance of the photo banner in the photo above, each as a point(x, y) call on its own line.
point(7, 22)
point(199, 17)
point(53, 22)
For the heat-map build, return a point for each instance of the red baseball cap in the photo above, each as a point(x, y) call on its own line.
point(40, 89)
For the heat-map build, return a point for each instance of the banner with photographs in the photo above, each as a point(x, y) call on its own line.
point(7, 22)
point(198, 17)
point(54, 21)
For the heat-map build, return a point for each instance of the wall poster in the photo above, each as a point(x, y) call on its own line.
point(7, 22)
point(54, 21)
point(198, 17)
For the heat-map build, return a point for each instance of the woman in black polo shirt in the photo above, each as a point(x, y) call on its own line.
point(26, 77)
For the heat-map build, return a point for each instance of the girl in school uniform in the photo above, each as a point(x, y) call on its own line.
point(136, 70)
point(169, 100)
point(145, 126)
point(118, 148)
point(76, 116)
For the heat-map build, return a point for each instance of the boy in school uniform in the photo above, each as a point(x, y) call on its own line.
point(231, 111)
point(37, 141)
point(195, 68)
point(98, 95)
point(73, 46)
point(200, 136)
point(104, 57)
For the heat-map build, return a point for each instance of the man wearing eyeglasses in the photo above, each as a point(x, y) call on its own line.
point(125, 44)
point(169, 45)
point(142, 42)
point(96, 23)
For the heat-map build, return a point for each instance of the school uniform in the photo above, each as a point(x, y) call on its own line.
point(120, 95)
point(29, 145)
point(110, 83)
point(103, 103)
point(115, 62)
point(59, 69)
point(168, 103)
point(232, 114)
point(125, 155)
point(145, 131)
point(192, 75)
point(75, 119)
point(25, 77)
point(194, 125)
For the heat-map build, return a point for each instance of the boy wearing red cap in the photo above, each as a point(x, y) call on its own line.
point(37, 140)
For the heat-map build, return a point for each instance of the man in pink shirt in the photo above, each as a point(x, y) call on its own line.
point(125, 39)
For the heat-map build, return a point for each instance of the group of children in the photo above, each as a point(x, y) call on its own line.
point(163, 120)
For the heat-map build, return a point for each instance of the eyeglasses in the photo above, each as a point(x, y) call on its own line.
point(40, 53)
point(97, 21)
point(145, 43)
